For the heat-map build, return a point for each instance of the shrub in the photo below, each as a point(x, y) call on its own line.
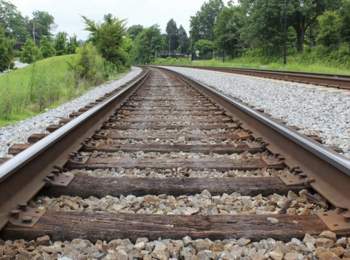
point(90, 66)
point(46, 47)
point(6, 51)
point(30, 52)
point(205, 47)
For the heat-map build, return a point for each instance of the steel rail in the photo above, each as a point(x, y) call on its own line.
point(23, 176)
point(328, 80)
point(328, 171)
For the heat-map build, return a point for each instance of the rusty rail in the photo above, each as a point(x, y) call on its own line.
point(24, 175)
point(327, 171)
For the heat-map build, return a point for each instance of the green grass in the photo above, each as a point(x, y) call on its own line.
point(295, 63)
point(42, 85)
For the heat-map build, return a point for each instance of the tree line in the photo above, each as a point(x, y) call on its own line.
point(267, 26)
point(259, 27)
point(30, 38)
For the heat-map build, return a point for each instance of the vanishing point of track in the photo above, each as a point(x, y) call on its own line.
point(166, 124)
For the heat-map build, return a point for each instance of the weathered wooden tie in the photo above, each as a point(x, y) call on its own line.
point(166, 148)
point(86, 186)
point(61, 226)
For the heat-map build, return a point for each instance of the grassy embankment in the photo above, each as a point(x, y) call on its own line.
point(303, 63)
point(40, 86)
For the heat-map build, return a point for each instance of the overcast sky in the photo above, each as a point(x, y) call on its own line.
point(68, 13)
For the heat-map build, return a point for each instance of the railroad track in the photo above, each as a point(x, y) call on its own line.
point(321, 79)
point(167, 157)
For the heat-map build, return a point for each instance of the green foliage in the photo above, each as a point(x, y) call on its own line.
point(6, 51)
point(49, 82)
point(34, 88)
point(172, 61)
point(61, 43)
point(134, 31)
point(72, 45)
point(205, 48)
point(47, 48)
point(184, 41)
point(202, 24)
point(172, 35)
point(227, 31)
point(30, 52)
point(13, 22)
point(263, 27)
point(344, 12)
point(317, 60)
point(89, 65)
point(40, 25)
point(108, 38)
point(146, 45)
point(330, 29)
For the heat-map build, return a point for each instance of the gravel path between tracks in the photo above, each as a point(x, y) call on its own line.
point(314, 110)
point(176, 172)
point(19, 132)
point(324, 247)
point(198, 204)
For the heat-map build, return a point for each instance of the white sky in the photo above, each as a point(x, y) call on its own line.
point(68, 13)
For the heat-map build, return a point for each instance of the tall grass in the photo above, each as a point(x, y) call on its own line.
point(36, 87)
point(317, 61)
point(42, 85)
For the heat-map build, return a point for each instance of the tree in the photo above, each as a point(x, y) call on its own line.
point(134, 31)
point(227, 30)
point(205, 48)
point(61, 43)
point(172, 37)
point(263, 25)
point(30, 52)
point(13, 23)
point(47, 48)
point(202, 24)
point(184, 41)
point(6, 51)
point(304, 14)
point(344, 12)
point(147, 44)
point(40, 25)
point(330, 29)
point(108, 38)
point(72, 45)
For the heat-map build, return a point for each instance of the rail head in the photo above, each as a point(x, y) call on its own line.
point(10, 166)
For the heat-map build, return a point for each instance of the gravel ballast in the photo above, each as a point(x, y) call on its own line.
point(19, 132)
point(198, 204)
point(324, 247)
point(315, 110)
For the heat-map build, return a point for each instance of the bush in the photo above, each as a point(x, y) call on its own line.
point(6, 51)
point(205, 48)
point(46, 47)
point(30, 52)
point(330, 29)
point(172, 61)
point(108, 38)
point(91, 67)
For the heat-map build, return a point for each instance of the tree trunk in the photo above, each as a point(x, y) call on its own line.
point(300, 31)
